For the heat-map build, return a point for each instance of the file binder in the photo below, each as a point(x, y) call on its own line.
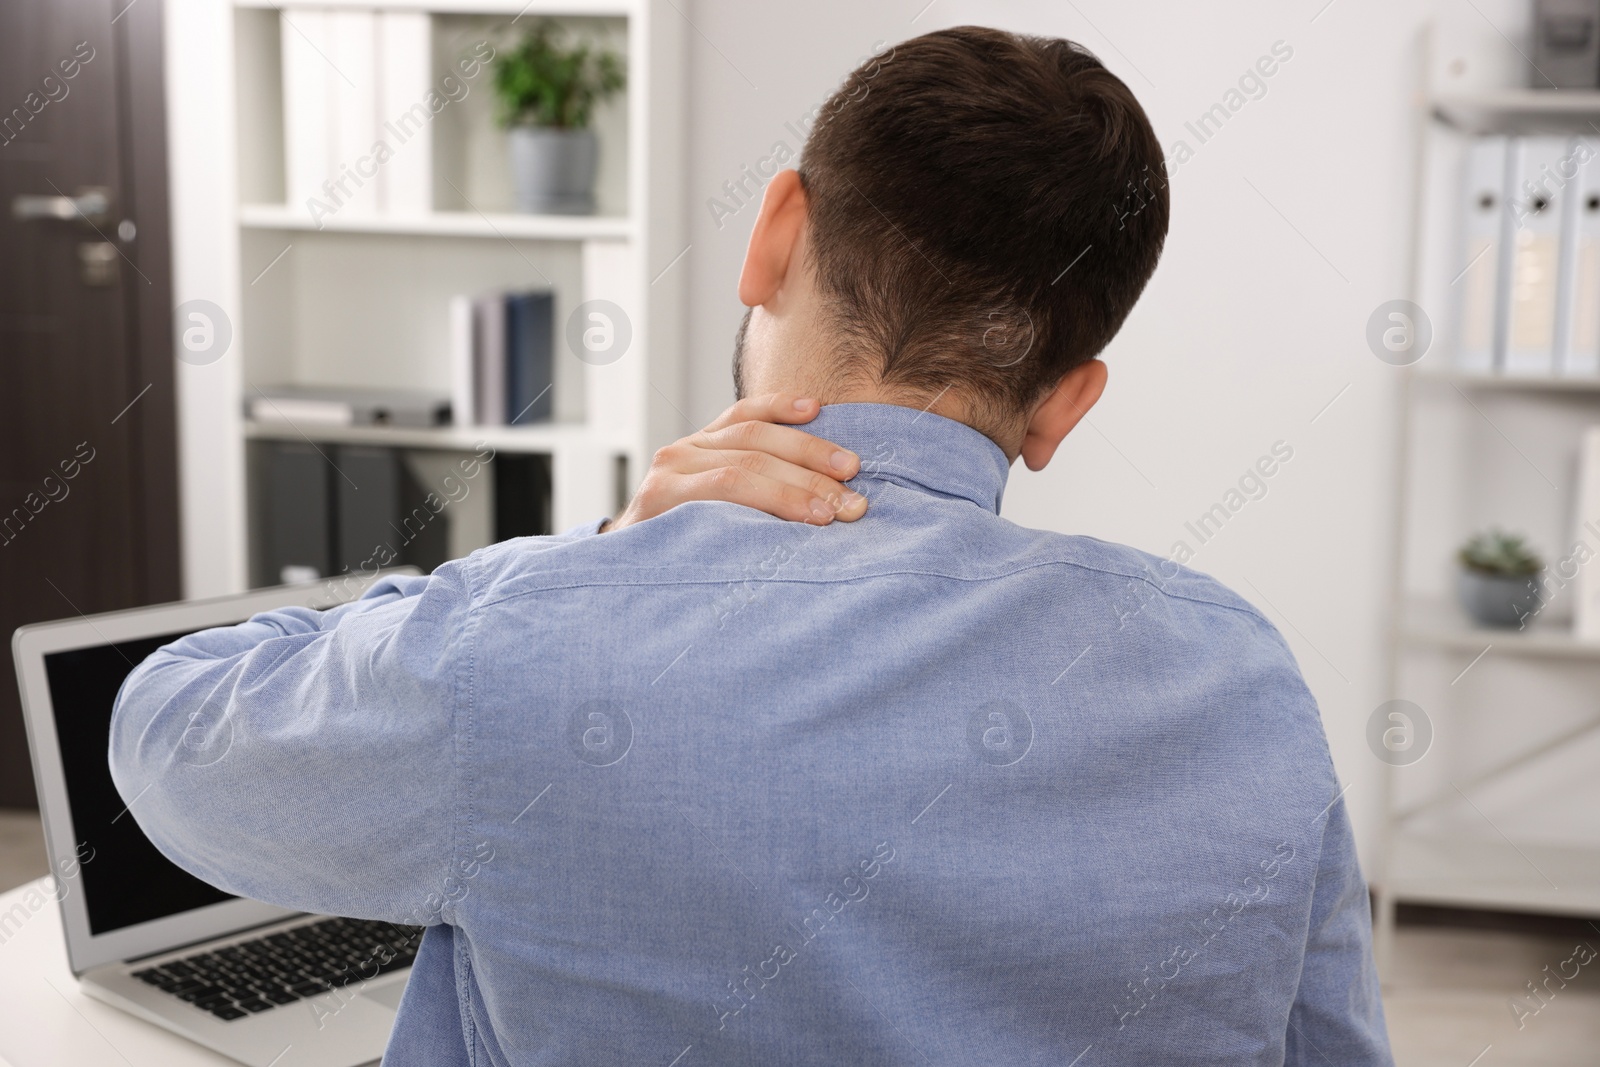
point(352, 84)
point(405, 54)
point(367, 487)
point(1543, 170)
point(307, 122)
point(296, 532)
point(1580, 340)
point(1484, 226)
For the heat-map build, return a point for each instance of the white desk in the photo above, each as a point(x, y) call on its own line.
point(45, 1021)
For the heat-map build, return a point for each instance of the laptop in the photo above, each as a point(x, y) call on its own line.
point(267, 986)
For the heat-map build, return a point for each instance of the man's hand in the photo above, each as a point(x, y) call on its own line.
point(746, 457)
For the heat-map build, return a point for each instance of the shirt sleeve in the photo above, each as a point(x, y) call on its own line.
point(311, 759)
point(1337, 1015)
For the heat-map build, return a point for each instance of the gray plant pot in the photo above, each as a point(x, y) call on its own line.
point(552, 171)
point(1497, 600)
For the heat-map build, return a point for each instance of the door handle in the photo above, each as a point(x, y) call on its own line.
point(92, 205)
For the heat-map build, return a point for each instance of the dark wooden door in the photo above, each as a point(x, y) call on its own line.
point(88, 480)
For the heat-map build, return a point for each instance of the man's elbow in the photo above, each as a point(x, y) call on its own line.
point(157, 740)
point(147, 731)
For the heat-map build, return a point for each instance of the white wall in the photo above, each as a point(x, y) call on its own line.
point(1289, 227)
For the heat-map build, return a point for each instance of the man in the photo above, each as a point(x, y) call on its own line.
point(920, 788)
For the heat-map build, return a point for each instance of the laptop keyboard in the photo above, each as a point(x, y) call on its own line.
point(281, 968)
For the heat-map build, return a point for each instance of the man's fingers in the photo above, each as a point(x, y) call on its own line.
point(773, 407)
point(749, 456)
point(770, 494)
point(846, 503)
point(788, 444)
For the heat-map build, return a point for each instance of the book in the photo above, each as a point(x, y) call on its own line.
point(307, 124)
point(353, 88)
point(405, 55)
point(352, 79)
point(1484, 225)
point(463, 376)
point(502, 358)
point(1538, 194)
point(301, 411)
point(530, 341)
point(489, 358)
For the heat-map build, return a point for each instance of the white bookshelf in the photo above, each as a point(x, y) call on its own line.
point(359, 299)
point(1499, 813)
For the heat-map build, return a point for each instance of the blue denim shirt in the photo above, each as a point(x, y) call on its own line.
point(928, 788)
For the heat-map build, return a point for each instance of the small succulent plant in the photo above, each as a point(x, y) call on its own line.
point(1502, 554)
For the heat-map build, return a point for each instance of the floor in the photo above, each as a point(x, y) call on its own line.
point(1449, 1001)
point(22, 855)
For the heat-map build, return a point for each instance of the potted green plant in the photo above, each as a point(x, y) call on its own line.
point(1498, 584)
point(547, 92)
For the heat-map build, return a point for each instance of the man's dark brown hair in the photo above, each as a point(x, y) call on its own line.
point(984, 208)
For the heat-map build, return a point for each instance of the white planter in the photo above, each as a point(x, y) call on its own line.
point(552, 170)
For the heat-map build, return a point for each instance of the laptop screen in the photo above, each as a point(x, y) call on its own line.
point(129, 881)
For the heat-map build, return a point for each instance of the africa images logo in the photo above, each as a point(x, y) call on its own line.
point(600, 733)
point(1000, 733)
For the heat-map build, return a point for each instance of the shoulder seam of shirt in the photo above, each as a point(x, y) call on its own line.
point(1244, 609)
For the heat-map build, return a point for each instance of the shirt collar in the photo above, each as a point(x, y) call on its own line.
point(917, 449)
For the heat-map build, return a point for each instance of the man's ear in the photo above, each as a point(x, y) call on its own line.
point(1059, 412)
point(774, 239)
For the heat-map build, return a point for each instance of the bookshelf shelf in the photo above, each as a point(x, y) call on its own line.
point(1520, 111)
point(444, 224)
point(1511, 383)
point(544, 439)
point(1498, 874)
point(514, 8)
point(1437, 624)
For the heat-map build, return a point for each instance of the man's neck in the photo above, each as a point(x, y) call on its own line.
point(797, 354)
point(947, 403)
